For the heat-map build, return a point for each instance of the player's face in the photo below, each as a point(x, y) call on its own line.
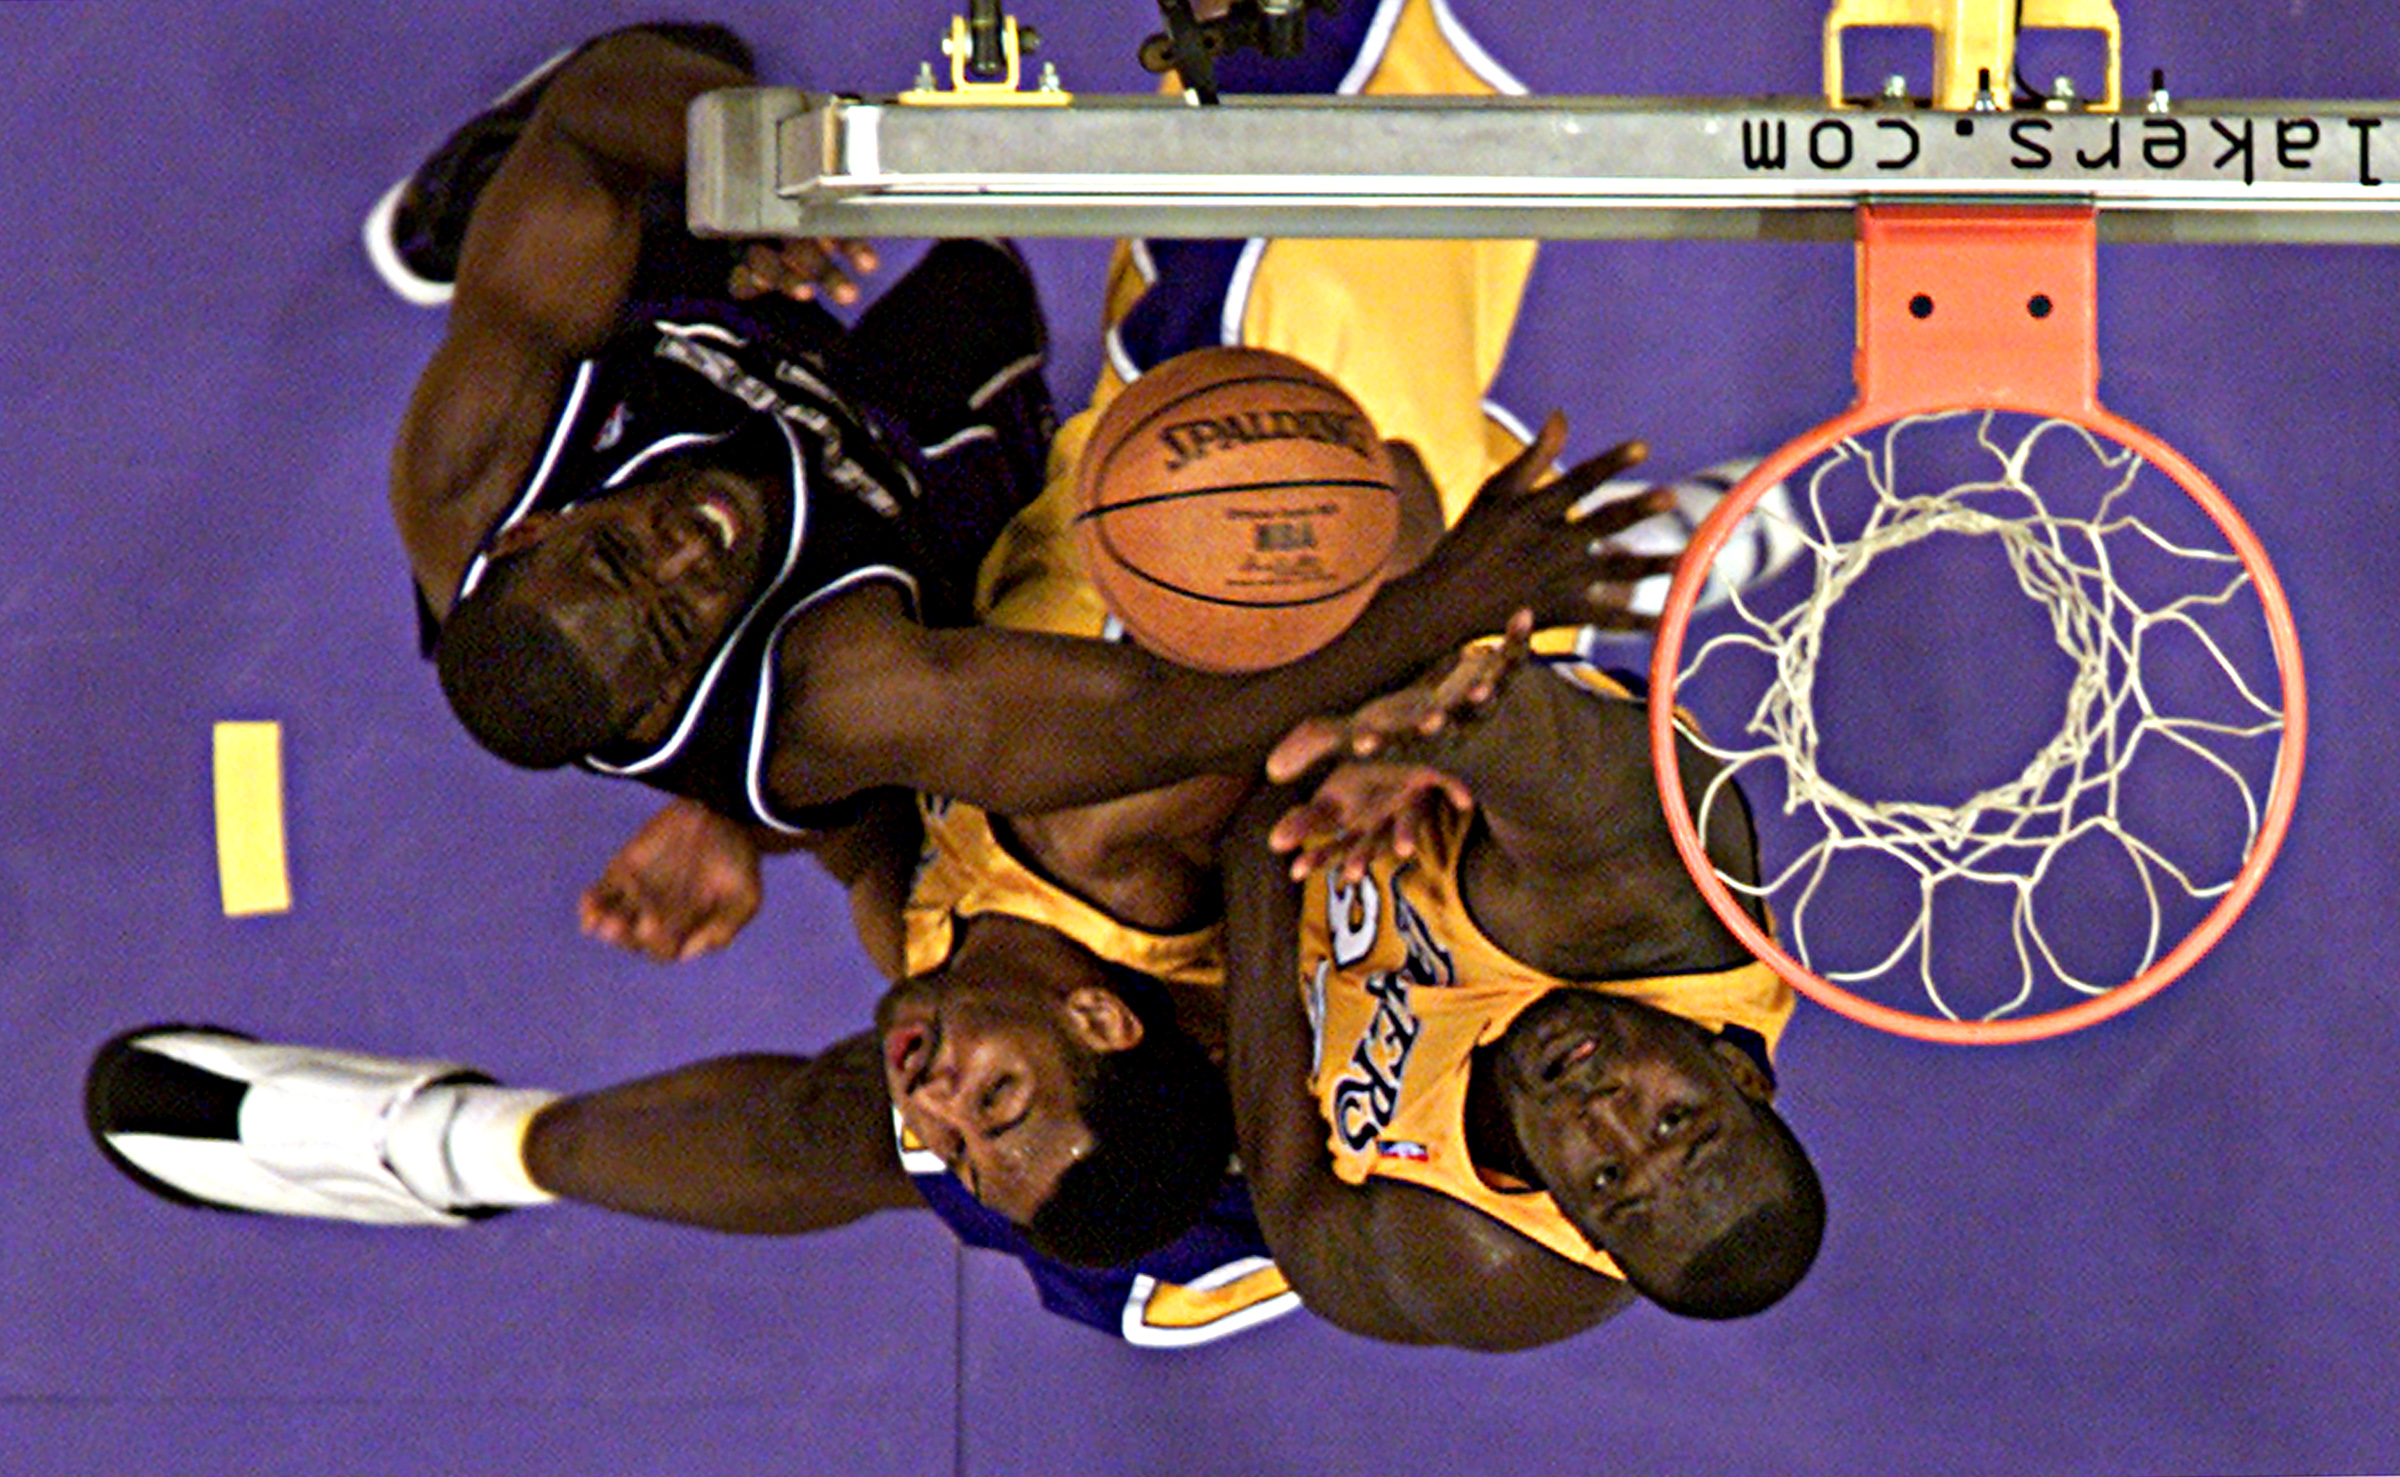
point(1644, 1130)
point(987, 1080)
point(646, 580)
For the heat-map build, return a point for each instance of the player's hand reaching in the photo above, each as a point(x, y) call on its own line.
point(1362, 808)
point(1451, 692)
point(804, 267)
point(1515, 544)
point(685, 884)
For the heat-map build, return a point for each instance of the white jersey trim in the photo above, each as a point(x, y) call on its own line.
point(1142, 1334)
point(1370, 50)
point(971, 434)
point(1237, 291)
point(914, 1161)
point(657, 449)
point(754, 779)
point(698, 701)
point(533, 485)
point(1470, 51)
point(1008, 375)
point(1118, 359)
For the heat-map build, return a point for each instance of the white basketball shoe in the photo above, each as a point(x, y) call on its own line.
point(212, 1118)
point(1762, 546)
point(416, 229)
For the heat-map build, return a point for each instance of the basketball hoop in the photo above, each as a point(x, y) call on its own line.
point(2122, 846)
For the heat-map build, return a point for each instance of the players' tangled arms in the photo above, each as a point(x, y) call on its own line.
point(1439, 1041)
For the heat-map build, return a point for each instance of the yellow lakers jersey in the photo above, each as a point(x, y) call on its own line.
point(1402, 986)
point(965, 869)
point(1414, 330)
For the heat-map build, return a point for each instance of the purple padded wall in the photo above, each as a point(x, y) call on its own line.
point(2163, 1245)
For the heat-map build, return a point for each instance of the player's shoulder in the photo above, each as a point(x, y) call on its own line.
point(1458, 1276)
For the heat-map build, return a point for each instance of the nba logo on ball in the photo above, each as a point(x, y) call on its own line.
point(1237, 509)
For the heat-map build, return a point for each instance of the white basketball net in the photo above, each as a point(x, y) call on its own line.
point(2010, 835)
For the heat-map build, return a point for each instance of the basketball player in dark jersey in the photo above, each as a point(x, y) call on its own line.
point(674, 542)
point(711, 544)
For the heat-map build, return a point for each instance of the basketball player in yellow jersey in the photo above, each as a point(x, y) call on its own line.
point(1525, 1072)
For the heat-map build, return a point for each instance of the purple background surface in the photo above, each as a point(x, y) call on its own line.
point(2162, 1245)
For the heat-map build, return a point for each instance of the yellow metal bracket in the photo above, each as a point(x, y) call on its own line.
point(1976, 40)
point(1005, 91)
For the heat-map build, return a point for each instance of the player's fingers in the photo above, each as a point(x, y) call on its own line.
point(707, 939)
point(766, 266)
point(612, 930)
point(1611, 606)
point(1616, 565)
point(1461, 689)
point(1451, 695)
point(1517, 639)
point(1336, 859)
point(650, 937)
point(822, 263)
point(1523, 473)
point(1492, 663)
point(1316, 857)
point(1393, 713)
point(604, 908)
point(738, 904)
point(1581, 478)
point(1294, 826)
point(1357, 856)
point(1311, 741)
point(1619, 514)
point(1475, 671)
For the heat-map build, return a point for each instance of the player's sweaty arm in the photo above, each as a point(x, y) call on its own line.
point(770, 1145)
point(548, 258)
point(1573, 870)
point(1387, 1261)
point(1018, 722)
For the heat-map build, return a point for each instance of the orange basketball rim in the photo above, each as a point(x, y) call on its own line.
point(1965, 308)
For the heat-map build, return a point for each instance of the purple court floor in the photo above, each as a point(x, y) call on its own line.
point(2164, 1245)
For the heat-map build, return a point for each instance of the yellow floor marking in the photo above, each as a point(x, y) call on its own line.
point(250, 863)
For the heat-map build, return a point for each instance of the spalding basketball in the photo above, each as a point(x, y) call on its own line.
point(1237, 509)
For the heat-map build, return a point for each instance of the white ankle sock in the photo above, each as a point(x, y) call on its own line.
point(461, 1146)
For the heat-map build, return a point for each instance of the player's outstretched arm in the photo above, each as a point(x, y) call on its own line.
point(761, 1144)
point(1575, 872)
point(1019, 722)
point(549, 254)
point(1386, 1261)
point(689, 880)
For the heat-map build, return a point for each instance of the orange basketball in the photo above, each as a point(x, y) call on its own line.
point(1237, 509)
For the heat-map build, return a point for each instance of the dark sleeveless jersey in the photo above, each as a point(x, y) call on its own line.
point(697, 386)
point(852, 500)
